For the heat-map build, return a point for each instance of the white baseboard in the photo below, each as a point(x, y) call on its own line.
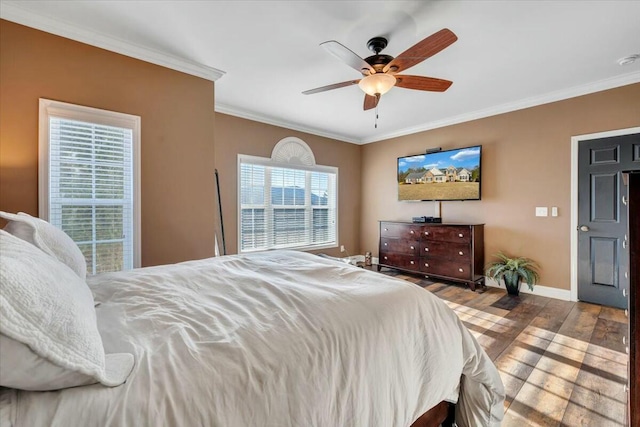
point(543, 291)
point(358, 258)
point(353, 259)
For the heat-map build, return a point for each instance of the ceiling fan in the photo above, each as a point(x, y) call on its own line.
point(380, 71)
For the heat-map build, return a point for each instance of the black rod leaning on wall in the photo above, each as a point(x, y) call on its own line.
point(224, 245)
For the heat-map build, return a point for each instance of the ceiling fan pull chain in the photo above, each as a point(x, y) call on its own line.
point(376, 122)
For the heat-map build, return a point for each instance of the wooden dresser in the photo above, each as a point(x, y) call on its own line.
point(448, 251)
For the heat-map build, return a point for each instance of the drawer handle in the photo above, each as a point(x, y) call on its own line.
point(386, 244)
point(460, 253)
point(426, 249)
point(460, 235)
point(426, 233)
point(626, 349)
point(385, 258)
point(426, 264)
point(412, 262)
point(624, 292)
point(386, 229)
point(461, 270)
point(412, 247)
point(626, 313)
point(624, 340)
point(411, 231)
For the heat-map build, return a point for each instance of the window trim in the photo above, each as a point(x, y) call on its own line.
point(48, 108)
point(266, 161)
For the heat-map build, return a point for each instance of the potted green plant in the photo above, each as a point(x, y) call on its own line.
point(513, 271)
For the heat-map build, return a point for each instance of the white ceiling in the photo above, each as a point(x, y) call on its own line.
point(509, 54)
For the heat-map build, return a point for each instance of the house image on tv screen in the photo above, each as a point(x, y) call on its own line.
point(444, 175)
point(451, 174)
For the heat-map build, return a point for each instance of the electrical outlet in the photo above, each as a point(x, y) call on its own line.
point(342, 248)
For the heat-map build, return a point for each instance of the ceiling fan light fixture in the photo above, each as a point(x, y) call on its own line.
point(378, 83)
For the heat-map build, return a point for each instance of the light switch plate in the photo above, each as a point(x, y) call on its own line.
point(542, 211)
point(554, 211)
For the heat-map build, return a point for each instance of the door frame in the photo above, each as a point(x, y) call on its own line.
point(575, 143)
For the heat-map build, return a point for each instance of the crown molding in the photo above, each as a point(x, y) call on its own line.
point(244, 114)
point(14, 13)
point(623, 80)
point(572, 92)
point(11, 11)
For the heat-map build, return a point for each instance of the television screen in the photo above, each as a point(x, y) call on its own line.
point(442, 175)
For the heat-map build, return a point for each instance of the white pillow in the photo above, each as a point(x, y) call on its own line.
point(21, 368)
point(50, 239)
point(47, 308)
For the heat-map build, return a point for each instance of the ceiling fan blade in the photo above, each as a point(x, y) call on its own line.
point(422, 83)
point(330, 87)
point(370, 101)
point(347, 56)
point(421, 51)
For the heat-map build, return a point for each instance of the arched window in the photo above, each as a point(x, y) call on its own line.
point(286, 201)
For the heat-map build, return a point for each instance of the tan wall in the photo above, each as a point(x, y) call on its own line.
point(240, 136)
point(526, 154)
point(178, 204)
point(525, 163)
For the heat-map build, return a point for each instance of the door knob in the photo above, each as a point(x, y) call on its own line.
point(583, 228)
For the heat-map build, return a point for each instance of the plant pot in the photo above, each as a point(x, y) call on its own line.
point(512, 284)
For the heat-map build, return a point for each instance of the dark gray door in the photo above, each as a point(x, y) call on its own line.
point(603, 256)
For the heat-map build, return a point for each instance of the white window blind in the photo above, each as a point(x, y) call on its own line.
point(91, 187)
point(283, 207)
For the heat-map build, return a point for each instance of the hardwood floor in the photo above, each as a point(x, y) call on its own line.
point(562, 363)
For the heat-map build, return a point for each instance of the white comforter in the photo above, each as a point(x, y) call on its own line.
point(273, 339)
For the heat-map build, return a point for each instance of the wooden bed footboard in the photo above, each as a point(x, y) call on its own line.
point(443, 414)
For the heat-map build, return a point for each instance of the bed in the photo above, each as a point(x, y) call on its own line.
point(281, 338)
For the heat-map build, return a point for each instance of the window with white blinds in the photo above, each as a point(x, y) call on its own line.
point(88, 181)
point(286, 207)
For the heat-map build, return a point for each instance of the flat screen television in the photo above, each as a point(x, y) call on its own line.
point(442, 175)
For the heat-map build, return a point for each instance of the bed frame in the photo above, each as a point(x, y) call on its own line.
point(443, 414)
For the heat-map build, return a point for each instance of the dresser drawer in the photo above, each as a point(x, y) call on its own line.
point(453, 234)
point(446, 250)
point(401, 246)
point(440, 267)
point(434, 232)
point(406, 262)
point(402, 231)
